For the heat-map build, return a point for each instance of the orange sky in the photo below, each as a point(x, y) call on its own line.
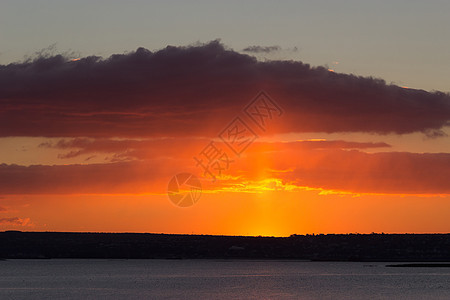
point(266, 213)
point(260, 194)
point(331, 153)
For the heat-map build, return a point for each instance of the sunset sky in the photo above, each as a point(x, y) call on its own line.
point(327, 116)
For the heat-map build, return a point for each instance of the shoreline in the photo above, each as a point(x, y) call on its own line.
point(406, 248)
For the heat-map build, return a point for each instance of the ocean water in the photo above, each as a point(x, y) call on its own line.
point(217, 279)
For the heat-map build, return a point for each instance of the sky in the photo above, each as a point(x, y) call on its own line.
point(297, 117)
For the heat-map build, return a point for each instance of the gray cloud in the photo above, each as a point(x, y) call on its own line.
point(187, 91)
point(262, 49)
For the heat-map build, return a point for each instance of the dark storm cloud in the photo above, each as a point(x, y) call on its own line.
point(195, 90)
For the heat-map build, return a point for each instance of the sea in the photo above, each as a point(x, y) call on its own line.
point(217, 279)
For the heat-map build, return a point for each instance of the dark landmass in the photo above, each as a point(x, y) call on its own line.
point(420, 266)
point(330, 247)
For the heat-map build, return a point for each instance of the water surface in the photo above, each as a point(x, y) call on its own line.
point(217, 279)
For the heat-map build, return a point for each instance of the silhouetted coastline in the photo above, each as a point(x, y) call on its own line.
point(330, 247)
point(420, 266)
